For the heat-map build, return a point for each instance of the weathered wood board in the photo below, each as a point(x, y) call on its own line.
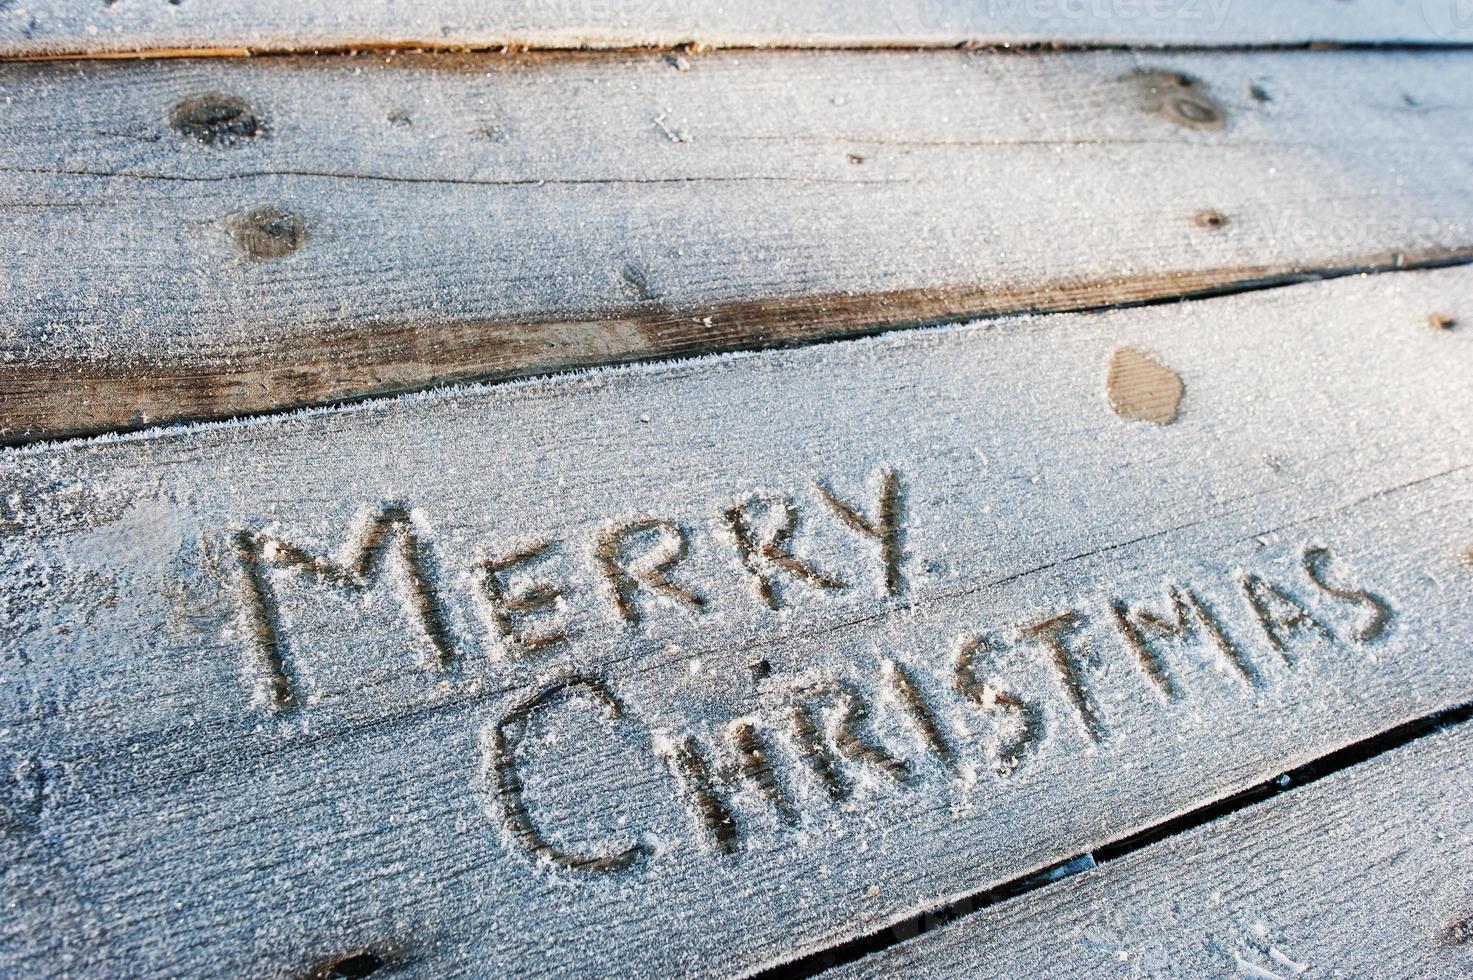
point(51, 27)
point(203, 239)
point(1365, 874)
point(818, 637)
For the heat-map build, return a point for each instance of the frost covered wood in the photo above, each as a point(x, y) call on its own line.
point(698, 667)
point(1363, 874)
point(208, 238)
point(31, 27)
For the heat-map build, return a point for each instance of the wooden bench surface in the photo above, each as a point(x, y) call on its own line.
point(734, 508)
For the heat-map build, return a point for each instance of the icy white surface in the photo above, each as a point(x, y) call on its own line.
point(161, 816)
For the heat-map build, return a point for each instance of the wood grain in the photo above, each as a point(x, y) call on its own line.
point(234, 27)
point(1363, 874)
point(693, 668)
point(206, 239)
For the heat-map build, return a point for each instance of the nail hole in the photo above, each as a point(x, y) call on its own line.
point(1441, 321)
point(1211, 219)
point(216, 120)
point(1260, 94)
point(855, 158)
point(268, 232)
point(353, 966)
point(761, 670)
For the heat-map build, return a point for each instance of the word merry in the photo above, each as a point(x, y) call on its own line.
point(637, 561)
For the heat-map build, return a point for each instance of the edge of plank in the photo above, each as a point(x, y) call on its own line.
point(347, 45)
point(74, 29)
point(60, 397)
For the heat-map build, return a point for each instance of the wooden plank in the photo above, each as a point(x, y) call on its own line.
point(204, 239)
point(286, 689)
point(238, 26)
point(1362, 874)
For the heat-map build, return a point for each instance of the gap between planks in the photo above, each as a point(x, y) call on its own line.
point(909, 928)
point(83, 27)
point(511, 48)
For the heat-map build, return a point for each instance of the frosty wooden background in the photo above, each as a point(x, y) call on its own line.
point(31, 28)
point(768, 662)
point(231, 756)
point(208, 238)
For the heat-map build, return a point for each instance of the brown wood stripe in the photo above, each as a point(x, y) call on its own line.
point(61, 396)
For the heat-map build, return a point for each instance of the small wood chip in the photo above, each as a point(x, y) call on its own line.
point(1142, 388)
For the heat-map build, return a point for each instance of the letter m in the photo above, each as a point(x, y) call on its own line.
point(356, 569)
